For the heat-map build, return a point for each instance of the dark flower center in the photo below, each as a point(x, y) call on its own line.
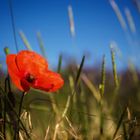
point(30, 78)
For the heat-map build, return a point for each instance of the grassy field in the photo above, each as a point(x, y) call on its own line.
point(94, 103)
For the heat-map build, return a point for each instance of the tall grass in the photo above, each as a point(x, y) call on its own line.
point(82, 109)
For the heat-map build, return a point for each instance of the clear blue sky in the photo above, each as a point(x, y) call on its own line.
point(96, 25)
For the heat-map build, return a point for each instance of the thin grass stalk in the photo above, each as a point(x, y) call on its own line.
point(6, 106)
point(75, 86)
point(70, 125)
point(72, 134)
point(54, 105)
point(19, 113)
point(6, 50)
point(124, 132)
point(71, 21)
point(25, 41)
point(116, 81)
point(41, 45)
point(92, 88)
point(79, 71)
point(101, 88)
point(129, 114)
point(15, 113)
point(7, 84)
point(119, 122)
point(59, 64)
point(55, 132)
point(20, 136)
point(118, 14)
point(69, 99)
point(10, 96)
point(103, 76)
point(13, 23)
point(30, 122)
point(83, 108)
point(47, 132)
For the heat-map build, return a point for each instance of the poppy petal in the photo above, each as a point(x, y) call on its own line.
point(50, 81)
point(31, 62)
point(13, 70)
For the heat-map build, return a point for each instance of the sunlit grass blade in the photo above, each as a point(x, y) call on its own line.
point(66, 108)
point(102, 88)
point(102, 85)
point(130, 20)
point(41, 45)
point(71, 21)
point(91, 87)
point(69, 98)
point(25, 41)
point(72, 130)
point(116, 81)
point(47, 132)
point(118, 14)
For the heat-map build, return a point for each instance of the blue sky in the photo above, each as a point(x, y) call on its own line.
point(96, 26)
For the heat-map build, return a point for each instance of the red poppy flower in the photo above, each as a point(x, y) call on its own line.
point(29, 69)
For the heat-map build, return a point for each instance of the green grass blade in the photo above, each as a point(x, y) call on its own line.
point(74, 88)
point(59, 64)
point(79, 70)
point(14, 111)
point(119, 123)
point(91, 87)
point(114, 68)
point(102, 85)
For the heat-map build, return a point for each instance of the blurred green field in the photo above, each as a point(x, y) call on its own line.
point(94, 103)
